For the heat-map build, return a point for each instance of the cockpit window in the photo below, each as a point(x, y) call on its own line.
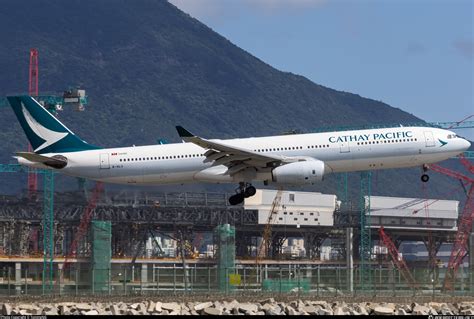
point(450, 136)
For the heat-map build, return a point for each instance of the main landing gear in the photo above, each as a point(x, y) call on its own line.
point(244, 190)
point(425, 177)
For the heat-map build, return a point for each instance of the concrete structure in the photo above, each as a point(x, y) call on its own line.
point(413, 213)
point(297, 208)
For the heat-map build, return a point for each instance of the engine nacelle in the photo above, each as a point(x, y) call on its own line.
point(299, 173)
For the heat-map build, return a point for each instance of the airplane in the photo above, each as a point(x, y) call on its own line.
point(296, 159)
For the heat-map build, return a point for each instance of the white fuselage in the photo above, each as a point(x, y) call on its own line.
point(344, 151)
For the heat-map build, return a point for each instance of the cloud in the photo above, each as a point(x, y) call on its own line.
point(465, 48)
point(220, 8)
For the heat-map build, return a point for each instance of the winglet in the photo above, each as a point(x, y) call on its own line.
point(183, 132)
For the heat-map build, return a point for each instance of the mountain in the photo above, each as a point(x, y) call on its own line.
point(147, 67)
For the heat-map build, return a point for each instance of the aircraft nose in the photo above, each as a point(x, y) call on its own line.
point(465, 144)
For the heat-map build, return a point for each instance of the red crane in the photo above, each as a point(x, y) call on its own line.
point(33, 91)
point(84, 224)
point(397, 258)
point(460, 246)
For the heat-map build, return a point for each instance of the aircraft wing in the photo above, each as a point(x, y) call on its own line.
point(235, 158)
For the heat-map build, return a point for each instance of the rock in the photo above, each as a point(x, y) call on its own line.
point(420, 310)
point(339, 311)
point(401, 312)
point(165, 312)
point(383, 310)
point(446, 312)
point(171, 306)
point(325, 312)
point(290, 311)
point(134, 306)
point(352, 312)
point(91, 313)
point(158, 306)
point(247, 307)
point(231, 305)
point(433, 312)
point(465, 305)
point(50, 312)
point(321, 303)
point(435, 305)
point(194, 313)
point(29, 309)
point(151, 306)
point(276, 311)
point(467, 312)
point(115, 310)
point(260, 313)
point(212, 311)
point(312, 310)
point(407, 308)
point(202, 306)
point(83, 306)
point(63, 309)
point(142, 309)
point(360, 308)
point(267, 301)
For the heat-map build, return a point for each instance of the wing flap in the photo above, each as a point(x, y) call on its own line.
point(234, 157)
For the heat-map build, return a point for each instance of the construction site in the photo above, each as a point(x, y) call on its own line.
point(95, 241)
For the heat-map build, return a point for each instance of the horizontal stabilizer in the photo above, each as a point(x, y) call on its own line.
point(56, 161)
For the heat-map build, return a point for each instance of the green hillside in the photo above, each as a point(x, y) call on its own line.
point(147, 67)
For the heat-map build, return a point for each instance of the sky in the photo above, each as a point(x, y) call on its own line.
point(416, 55)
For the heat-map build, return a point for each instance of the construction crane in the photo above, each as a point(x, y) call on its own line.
point(84, 224)
point(460, 246)
point(397, 258)
point(33, 91)
point(267, 232)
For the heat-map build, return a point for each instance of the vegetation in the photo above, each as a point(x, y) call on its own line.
point(147, 67)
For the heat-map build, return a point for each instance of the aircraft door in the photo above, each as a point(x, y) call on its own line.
point(344, 147)
point(429, 139)
point(104, 161)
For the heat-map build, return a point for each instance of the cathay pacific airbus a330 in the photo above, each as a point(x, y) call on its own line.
point(297, 159)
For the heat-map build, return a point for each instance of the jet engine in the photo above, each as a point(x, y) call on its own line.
point(299, 173)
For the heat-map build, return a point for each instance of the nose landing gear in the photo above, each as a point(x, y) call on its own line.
point(245, 190)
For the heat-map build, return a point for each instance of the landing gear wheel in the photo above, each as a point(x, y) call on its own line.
point(250, 191)
point(425, 178)
point(236, 199)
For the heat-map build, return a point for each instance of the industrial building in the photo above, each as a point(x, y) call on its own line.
point(177, 244)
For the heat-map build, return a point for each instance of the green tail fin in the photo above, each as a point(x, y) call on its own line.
point(45, 133)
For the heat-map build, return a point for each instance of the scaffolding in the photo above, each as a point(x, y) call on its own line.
point(225, 241)
point(365, 231)
point(48, 231)
point(101, 233)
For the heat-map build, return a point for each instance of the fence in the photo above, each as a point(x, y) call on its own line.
point(153, 279)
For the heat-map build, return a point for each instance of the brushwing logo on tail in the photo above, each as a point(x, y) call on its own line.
point(50, 137)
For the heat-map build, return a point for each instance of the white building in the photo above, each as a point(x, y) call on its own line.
point(413, 213)
point(297, 208)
